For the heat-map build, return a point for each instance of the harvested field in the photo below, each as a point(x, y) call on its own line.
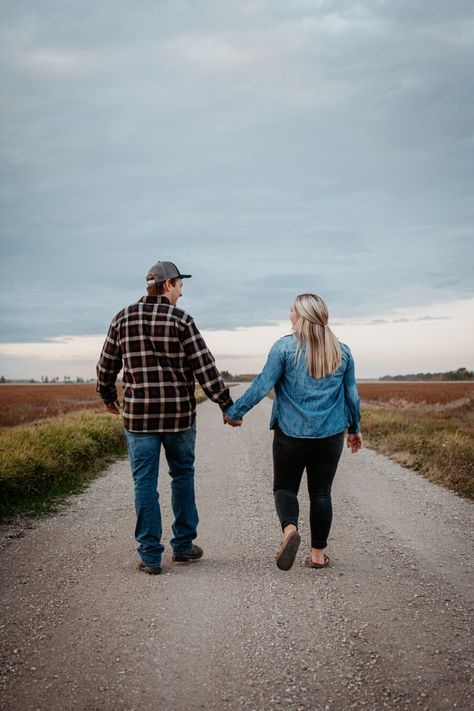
point(20, 404)
point(426, 426)
point(443, 393)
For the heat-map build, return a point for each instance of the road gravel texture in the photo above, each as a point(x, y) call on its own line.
point(387, 626)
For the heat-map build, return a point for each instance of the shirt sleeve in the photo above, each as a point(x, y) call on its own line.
point(203, 365)
point(262, 384)
point(351, 396)
point(109, 366)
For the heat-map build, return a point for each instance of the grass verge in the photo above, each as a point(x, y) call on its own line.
point(439, 445)
point(40, 463)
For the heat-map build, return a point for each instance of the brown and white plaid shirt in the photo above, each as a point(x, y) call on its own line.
point(161, 352)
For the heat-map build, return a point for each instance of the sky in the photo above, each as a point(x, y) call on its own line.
point(267, 147)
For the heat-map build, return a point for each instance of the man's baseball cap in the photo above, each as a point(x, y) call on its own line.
point(161, 271)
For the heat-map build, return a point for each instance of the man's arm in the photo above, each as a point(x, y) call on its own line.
point(108, 367)
point(202, 362)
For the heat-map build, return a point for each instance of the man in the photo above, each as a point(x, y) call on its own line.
point(161, 351)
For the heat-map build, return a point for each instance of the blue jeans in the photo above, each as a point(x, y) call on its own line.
point(144, 450)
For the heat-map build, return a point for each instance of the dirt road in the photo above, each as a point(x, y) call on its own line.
point(386, 627)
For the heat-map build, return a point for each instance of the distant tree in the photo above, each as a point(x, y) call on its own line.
point(2, 379)
point(79, 380)
point(227, 376)
point(459, 374)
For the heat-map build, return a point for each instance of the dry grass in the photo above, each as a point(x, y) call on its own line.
point(428, 427)
point(409, 394)
point(42, 461)
point(21, 404)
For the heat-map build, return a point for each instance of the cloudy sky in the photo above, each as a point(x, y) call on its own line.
point(268, 147)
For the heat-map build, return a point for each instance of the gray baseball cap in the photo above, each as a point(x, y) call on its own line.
point(161, 271)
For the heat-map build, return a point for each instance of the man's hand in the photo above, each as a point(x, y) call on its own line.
point(113, 407)
point(232, 423)
point(354, 442)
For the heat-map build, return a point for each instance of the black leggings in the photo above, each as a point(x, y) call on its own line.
point(320, 457)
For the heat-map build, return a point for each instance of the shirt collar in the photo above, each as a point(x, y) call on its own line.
point(155, 300)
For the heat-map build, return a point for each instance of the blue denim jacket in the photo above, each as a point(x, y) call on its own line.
point(304, 406)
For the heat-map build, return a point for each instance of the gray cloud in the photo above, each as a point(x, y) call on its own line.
point(268, 148)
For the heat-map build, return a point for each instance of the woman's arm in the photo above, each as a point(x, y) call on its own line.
point(262, 384)
point(351, 396)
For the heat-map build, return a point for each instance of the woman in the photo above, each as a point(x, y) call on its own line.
point(315, 400)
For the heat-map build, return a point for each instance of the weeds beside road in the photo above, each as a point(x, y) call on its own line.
point(426, 426)
point(43, 461)
point(439, 445)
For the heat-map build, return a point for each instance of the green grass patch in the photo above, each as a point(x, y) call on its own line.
point(39, 463)
point(42, 462)
point(438, 444)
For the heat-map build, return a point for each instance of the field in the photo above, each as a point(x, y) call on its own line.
point(428, 427)
point(20, 404)
point(440, 395)
point(54, 439)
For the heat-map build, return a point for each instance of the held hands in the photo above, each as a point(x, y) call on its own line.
point(354, 442)
point(232, 423)
point(113, 407)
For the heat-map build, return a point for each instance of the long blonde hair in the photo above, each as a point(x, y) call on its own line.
point(323, 351)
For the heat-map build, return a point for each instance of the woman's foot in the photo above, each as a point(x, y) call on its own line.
point(287, 552)
point(309, 563)
point(288, 530)
point(318, 556)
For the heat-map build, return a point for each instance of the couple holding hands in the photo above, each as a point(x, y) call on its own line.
point(162, 353)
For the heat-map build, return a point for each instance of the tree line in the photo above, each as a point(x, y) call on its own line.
point(459, 374)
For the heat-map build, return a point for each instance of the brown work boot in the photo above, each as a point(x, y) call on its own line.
point(194, 554)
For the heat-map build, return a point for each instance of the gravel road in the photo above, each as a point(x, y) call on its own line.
point(387, 626)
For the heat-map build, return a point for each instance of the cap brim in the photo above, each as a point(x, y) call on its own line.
point(185, 276)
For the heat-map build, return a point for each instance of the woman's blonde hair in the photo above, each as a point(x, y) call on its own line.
point(323, 351)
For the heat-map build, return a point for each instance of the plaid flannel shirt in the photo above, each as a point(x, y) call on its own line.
point(161, 352)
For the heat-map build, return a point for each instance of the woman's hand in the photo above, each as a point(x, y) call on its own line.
point(354, 442)
point(232, 423)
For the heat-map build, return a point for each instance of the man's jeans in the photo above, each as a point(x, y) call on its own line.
point(144, 449)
